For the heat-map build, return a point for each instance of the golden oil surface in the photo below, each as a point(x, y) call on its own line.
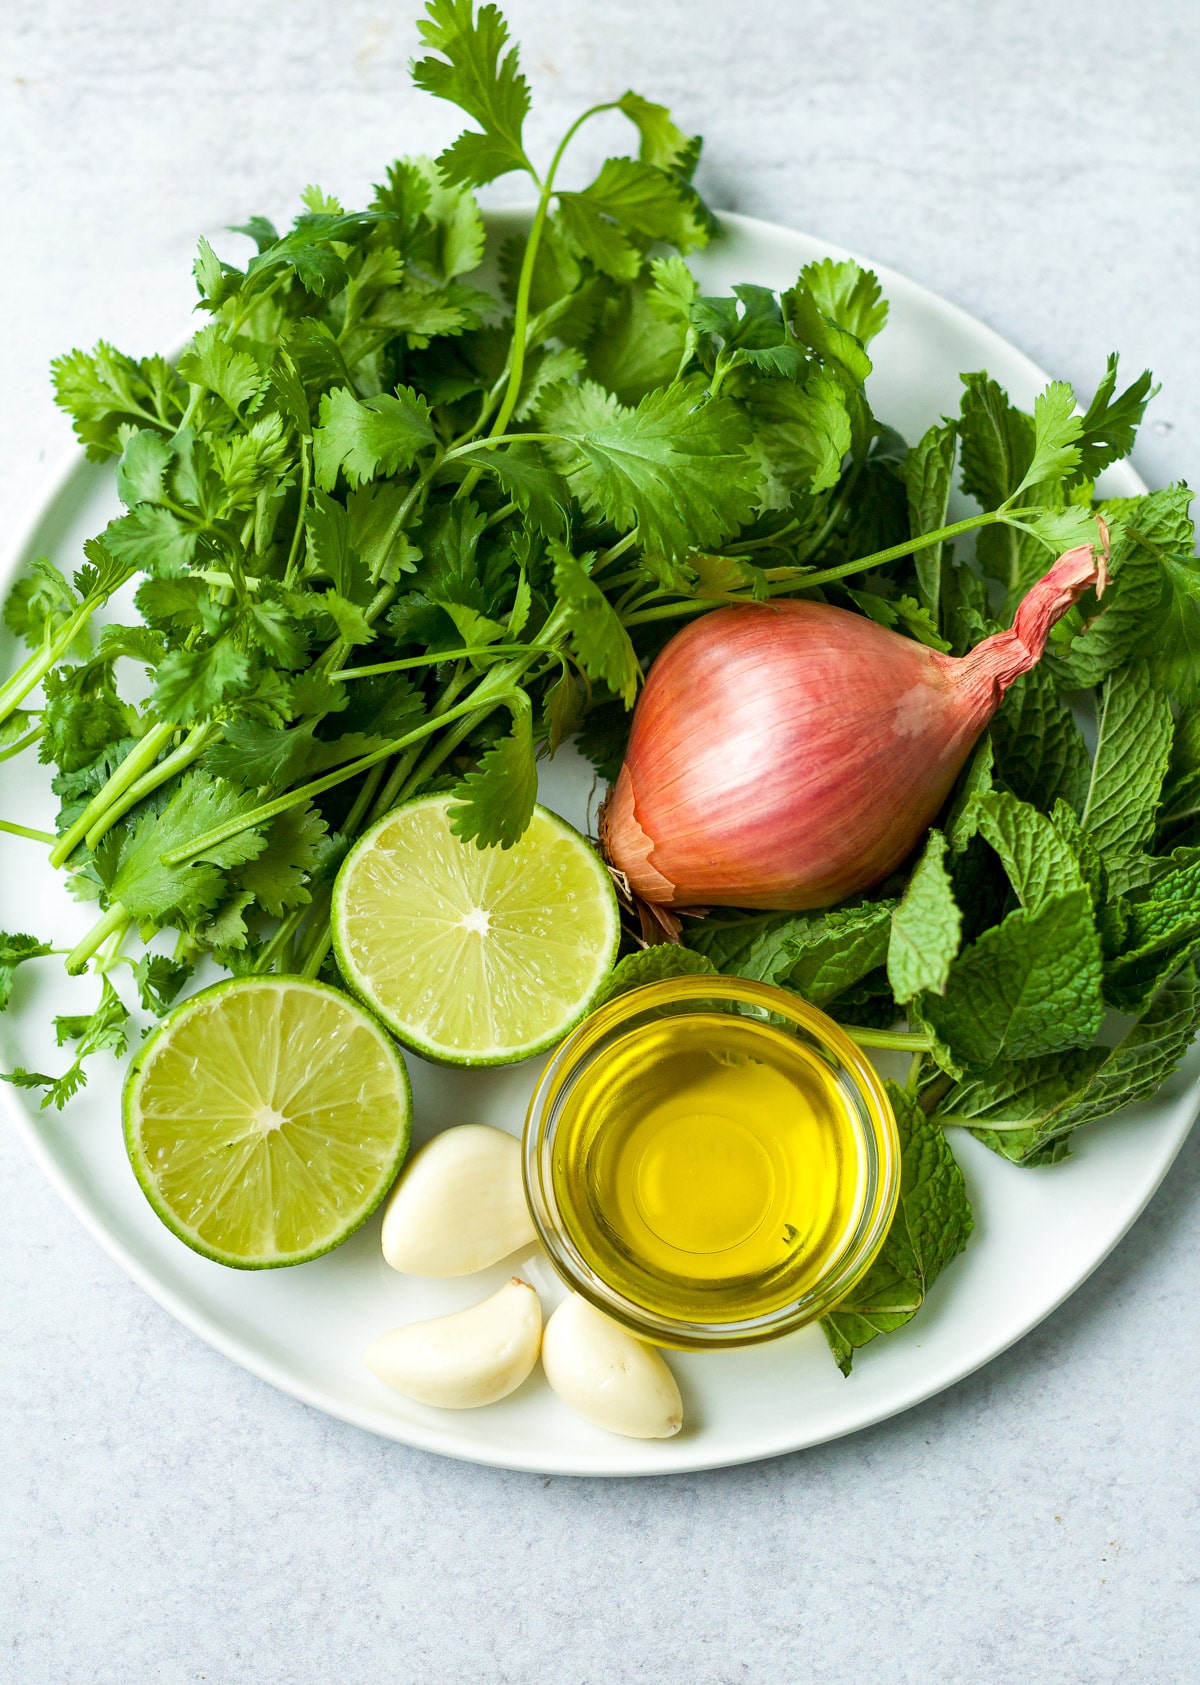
point(708, 1167)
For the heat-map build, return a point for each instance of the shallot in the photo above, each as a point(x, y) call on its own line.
point(791, 754)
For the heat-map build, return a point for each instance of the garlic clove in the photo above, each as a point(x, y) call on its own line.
point(469, 1358)
point(459, 1204)
point(613, 1379)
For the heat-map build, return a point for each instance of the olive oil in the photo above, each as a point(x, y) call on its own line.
point(709, 1167)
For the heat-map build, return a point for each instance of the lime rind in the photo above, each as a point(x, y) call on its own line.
point(474, 957)
point(326, 1166)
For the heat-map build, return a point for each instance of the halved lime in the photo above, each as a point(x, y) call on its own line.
point(474, 956)
point(265, 1120)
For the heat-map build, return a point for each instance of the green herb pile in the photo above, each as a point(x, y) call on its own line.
point(404, 519)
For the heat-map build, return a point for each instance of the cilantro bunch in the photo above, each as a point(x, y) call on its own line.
point(412, 508)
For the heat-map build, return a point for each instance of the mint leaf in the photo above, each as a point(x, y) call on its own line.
point(472, 75)
point(933, 1223)
point(1130, 762)
point(1162, 925)
point(597, 635)
point(653, 965)
point(928, 476)
point(1040, 753)
point(1039, 862)
point(926, 927)
point(1024, 1111)
point(380, 436)
point(818, 954)
point(676, 467)
point(1027, 986)
point(997, 442)
point(495, 802)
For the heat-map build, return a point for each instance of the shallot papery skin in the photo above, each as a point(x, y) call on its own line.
point(790, 754)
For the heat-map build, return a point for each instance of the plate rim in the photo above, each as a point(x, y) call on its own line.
point(72, 466)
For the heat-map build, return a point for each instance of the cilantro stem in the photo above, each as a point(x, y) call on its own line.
point(927, 540)
point(618, 549)
point(437, 659)
point(516, 366)
point(487, 697)
point(116, 918)
point(27, 831)
point(825, 576)
point(289, 577)
point(32, 671)
point(188, 751)
point(139, 760)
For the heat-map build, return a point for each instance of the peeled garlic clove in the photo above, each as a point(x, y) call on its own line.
point(459, 1206)
point(470, 1358)
point(613, 1379)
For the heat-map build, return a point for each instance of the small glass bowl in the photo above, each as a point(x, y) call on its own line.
point(867, 1108)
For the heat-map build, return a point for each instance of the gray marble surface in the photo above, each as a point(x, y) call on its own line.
point(167, 1517)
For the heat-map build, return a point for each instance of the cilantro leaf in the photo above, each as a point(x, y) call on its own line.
point(472, 75)
point(278, 877)
point(14, 951)
point(663, 143)
point(211, 362)
point(1110, 425)
point(495, 802)
point(105, 1028)
point(159, 979)
point(847, 295)
point(926, 927)
point(155, 894)
point(636, 197)
point(676, 467)
point(191, 684)
point(597, 635)
point(364, 439)
point(1056, 429)
point(933, 1223)
point(537, 490)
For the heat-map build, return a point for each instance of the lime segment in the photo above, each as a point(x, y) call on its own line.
point(474, 956)
point(266, 1119)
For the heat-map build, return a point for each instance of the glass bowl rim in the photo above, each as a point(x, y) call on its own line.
point(878, 1130)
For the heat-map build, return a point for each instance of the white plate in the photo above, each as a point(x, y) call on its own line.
point(1038, 1234)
